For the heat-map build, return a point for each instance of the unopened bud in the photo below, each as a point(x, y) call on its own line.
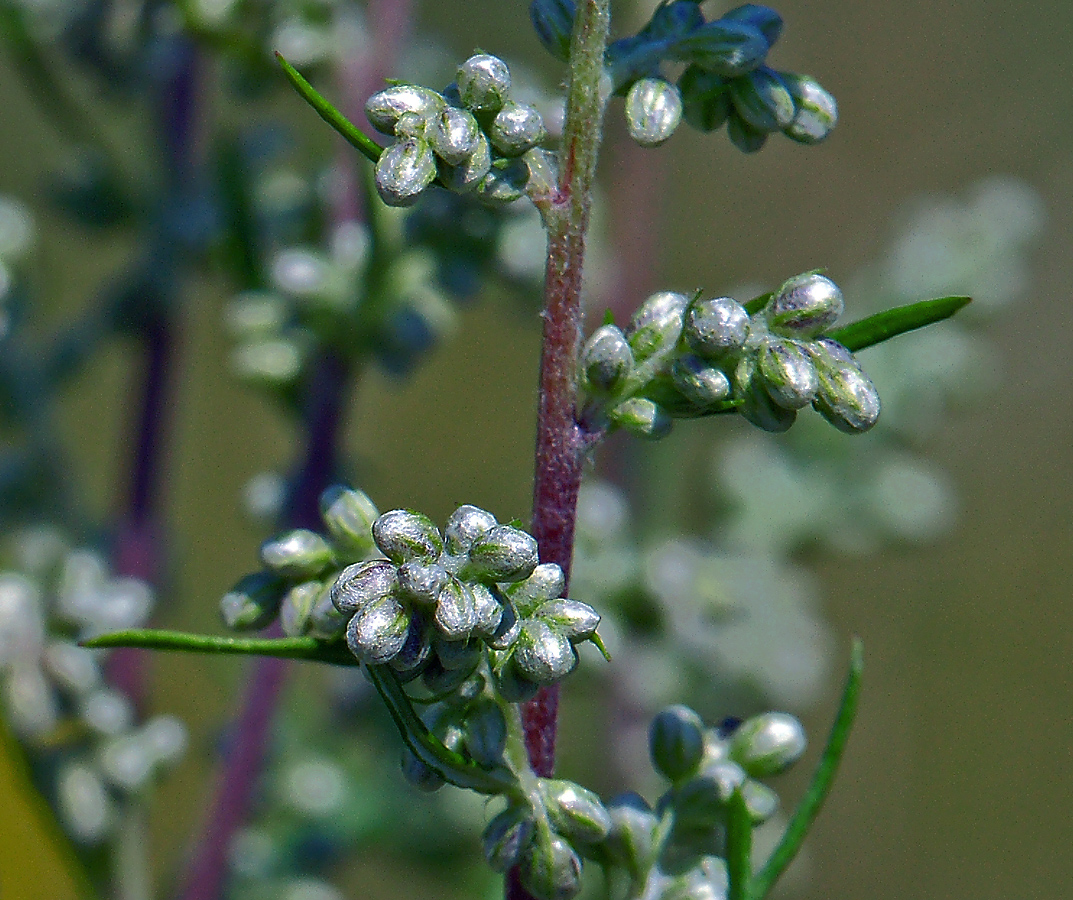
point(576, 812)
point(420, 775)
point(452, 134)
point(377, 633)
point(505, 182)
point(574, 620)
point(633, 825)
point(716, 327)
point(349, 515)
point(552, 871)
point(253, 602)
point(701, 801)
point(516, 129)
point(653, 111)
point(506, 837)
point(485, 734)
point(676, 742)
point(643, 417)
point(483, 83)
point(787, 373)
point(297, 554)
point(756, 404)
point(404, 170)
point(606, 358)
point(724, 47)
point(657, 324)
point(363, 583)
point(742, 135)
point(455, 612)
point(297, 607)
point(705, 98)
point(385, 107)
point(402, 535)
point(673, 20)
point(553, 21)
point(768, 744)
point(465, 525)
point(762, 100)
point(815, 110)
point(503, 553)
point(469, 173)
point(542, 654)
point(846, 397)
point(805, 306)
point(763, 18)
point(700, 383)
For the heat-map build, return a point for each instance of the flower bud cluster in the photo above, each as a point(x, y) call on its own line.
point(472, 138)
point(725, 80)
point(441, 602)
point(685, 358)
point(57, 699)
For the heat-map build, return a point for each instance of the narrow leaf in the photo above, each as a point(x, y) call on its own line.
point(306, 648)
point(329, 113)
point(892, 322)
point(812, 802)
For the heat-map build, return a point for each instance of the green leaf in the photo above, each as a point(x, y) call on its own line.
point(812, 802)
point(892, 322)
point(330, 114)
point(306, 648)
point(739, 838)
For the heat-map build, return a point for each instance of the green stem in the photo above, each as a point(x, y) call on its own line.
point(739, 848)
point(814, 798)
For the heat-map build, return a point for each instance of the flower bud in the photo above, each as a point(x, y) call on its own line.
point(547, 582)
point(705, 98)
point(404, 170)
point(505, 182)
point(297, 607)
point(506, 837)
point(468, 175)
point(487, 610)
point(700, 383)
point(643, 417)
point(377, 633)
point(768, 744)
point(485, 732)
point(455, 613)
point(756, 404)
point(416, 649)
point(542, 654)
point(503, 553)
point(763, 18)
point(633, 825)
point(673, 20)
point(513, 685)
point(805, 306)
point(676, 742)
point(552, 872)
point(724, 47)
point(846, 397)
point(516, 129)
point(483, 83)
point(815, 110)
point(656, 324)
point(700, 802)
point(297, 554)
point(574, 620)
point(465, 525)
point(421, 581)
point(653, 111)
point(420, 775)
point(576, 812)
point(716, 327)
point(412, 125)
point(384, 108)
point(762, 100)
point(742, 135)
point(452, 134)
point(761, 801)
point(553, 21)
point(507, 631)
point(457, 655)
point(253, 602)
point(402, 535)
point(606, 358)
point(349, 515)
point(363, 583)
point(787, 373)
point(326, 623)
point(440, 680)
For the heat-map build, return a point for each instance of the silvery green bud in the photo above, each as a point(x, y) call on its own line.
point(576, 812)
point(552, 872)
point(716, 327)
point(547, 582)
point(761, 801)
point(297, 607)
point(643, 417)
point(756, 404)
point(507, 631)
point(606, 358)
point(633, 825)
point(505, 182)
point(699, 803)
point(542, 654)
point(816, 112)
point(377, 633)
point(297, 554)
point(553, 21)
point(676, 742)
point(787, 373)
point(805, 306)
point(410, 660)
point(441, 680)
point(455, 612)
point(487, 610)
point(253, 602)
point(513, 686)
point(768, 744)
point(725, 47)
point(762, 100)
point(763, 18)
point(452, 134)
point(657, 324)
point(846, 397)
point(363, 583)
point(465, 525)
point(420, 775)
point(326, 622)
point(653, 111)
point(412, 125)
point(457, 655)
point(506, 837)
point(485, 732)
point(705, 98)
point(349, 515)
point(402, 535)
point(575, 620)
point(503, 553)
point(483, 83)
point(516, 129)
point(468, 175)
point(404, 170)
point(742, 135)
point(421, 581)
point(673, 20)
point(385, 107)
point(699, 382)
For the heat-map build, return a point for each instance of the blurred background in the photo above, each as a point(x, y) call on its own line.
point(956, 783)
